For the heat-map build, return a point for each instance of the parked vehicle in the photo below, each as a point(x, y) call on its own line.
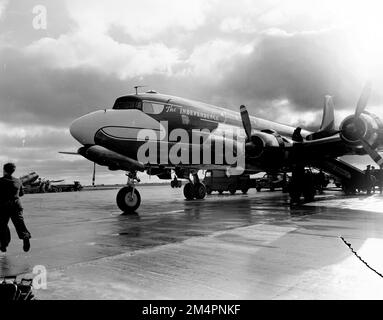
point(272, 182)
point(217, 180)
point(45, 186)
point(76, 186)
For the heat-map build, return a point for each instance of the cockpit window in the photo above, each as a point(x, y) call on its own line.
point(127, 103)
point(152, 108)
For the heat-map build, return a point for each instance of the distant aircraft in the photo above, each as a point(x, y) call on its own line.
point(29, 178)
point(140, 134)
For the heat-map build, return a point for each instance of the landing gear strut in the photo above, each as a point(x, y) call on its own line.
point(128, 198)
point(194, 189)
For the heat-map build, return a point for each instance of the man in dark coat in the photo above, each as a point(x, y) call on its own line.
point(10, 208)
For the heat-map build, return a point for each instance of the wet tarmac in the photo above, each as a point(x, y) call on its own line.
point(223, 247)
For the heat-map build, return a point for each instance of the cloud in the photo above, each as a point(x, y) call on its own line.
point(31, 93)
point(213, 59)
point(100, 52)
point(142, 20)
point(3, 4)
point(298, 67)
point(278, 59)
point(34, 136)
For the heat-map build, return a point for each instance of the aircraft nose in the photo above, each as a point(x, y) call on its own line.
point(84, 128)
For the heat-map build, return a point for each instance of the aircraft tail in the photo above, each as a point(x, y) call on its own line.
point(327, 127)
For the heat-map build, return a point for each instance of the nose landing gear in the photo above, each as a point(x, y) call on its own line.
point(128, 198)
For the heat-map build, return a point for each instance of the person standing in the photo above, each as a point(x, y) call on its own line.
point(367, 179)
point(11, 208)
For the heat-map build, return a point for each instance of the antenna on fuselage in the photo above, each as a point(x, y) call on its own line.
point(136, 87)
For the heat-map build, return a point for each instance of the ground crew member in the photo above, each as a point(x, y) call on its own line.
point(10, 208)
point(368, 180)
point(321, 181)
point(297, 184)
point(297, 136)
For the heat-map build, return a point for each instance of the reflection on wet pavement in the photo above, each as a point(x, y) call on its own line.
point(242, 246)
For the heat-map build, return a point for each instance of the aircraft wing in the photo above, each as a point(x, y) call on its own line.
point(332, 146)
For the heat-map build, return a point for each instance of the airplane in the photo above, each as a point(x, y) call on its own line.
point(113, 138)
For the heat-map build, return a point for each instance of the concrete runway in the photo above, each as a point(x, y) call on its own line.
point(223, 247)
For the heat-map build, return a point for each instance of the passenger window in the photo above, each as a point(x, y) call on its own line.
point(152, 108)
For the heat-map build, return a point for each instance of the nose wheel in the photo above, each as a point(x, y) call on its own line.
point(128, 198)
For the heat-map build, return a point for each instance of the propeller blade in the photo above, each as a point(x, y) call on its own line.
point(362, 102)
point(69, 152)
point(375, 156)
point(245, 121)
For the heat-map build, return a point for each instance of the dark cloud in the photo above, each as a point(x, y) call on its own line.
point(302, 68)
point(32, 93)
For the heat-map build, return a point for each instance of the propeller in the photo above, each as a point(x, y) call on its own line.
point(254, 145)
point(246, 121)
point(357, 131)
point(375, 156)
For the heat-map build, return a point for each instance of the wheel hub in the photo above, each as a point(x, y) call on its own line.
point(130, 199)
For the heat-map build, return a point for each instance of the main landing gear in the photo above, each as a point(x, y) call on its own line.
point(128, 198)
point(194, 189)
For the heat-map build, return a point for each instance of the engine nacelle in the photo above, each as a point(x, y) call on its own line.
point(366, 126)
point(262, 142)
point(111, 159)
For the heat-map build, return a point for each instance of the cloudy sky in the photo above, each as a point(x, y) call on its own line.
point(278, 57)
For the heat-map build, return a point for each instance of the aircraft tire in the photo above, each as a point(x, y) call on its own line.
point(208, 190)
point(199, 191)
point(232, 189)
point(244, 190)
point(125, 203)
point(188, 191)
